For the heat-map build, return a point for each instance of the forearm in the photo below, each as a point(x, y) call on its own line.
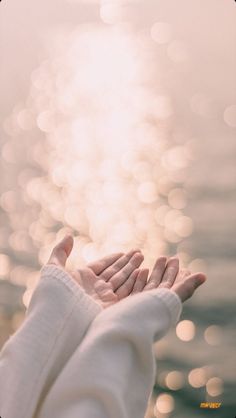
point(111, 374)
point(56, 321)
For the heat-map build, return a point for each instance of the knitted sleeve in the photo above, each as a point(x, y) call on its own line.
point(56, 321)
point(111, 374)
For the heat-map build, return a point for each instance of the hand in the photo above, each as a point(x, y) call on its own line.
point(106, 280)
point(163, 275)
point(166, 274)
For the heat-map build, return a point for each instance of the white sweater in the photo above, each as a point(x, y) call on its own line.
point(70, 359)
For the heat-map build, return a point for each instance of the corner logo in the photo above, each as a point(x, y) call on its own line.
point(211, 405)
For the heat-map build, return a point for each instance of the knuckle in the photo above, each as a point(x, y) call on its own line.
point(123, 273)
point(150, 286)
point(168, 284)
point(137, 257)
point(126, 286)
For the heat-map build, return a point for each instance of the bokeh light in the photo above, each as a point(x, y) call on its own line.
point(185, 330)
point(230, 116)
point(174, 380)
point(96, 173)
point(109, 138)
point(197, 377)
point(4, 265)
point(213, 335)
point(164, 403)
point(214, 386)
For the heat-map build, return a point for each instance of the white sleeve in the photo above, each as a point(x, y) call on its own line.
point(111, 374)
point(56, 321)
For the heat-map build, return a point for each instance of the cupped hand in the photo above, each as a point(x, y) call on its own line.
point(106, 280)
point(166, 274)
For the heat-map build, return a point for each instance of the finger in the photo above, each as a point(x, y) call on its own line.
point(122, 275)
point(186, 288)
point(100, 265)
point(61, 251)
point(126, 288)
point(157, 273)
point(117, 266)
point(140, 281)
point(171, 271)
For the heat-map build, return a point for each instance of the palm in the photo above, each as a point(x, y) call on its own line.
point(106, 280)
point(95, 287)
point(88, 279)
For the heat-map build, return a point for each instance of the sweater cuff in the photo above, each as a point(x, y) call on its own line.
point(55, 272)
point(172, 302)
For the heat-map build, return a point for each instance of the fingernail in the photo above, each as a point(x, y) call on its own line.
point(67, 236)
point(162, 259)
point(173, 260)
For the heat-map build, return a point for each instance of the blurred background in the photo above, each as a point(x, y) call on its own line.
point(118, 124)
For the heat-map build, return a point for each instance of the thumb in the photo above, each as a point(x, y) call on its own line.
point(61, 251)
point(187, 287)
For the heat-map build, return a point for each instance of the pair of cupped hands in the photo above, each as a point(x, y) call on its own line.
point(119, 275)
